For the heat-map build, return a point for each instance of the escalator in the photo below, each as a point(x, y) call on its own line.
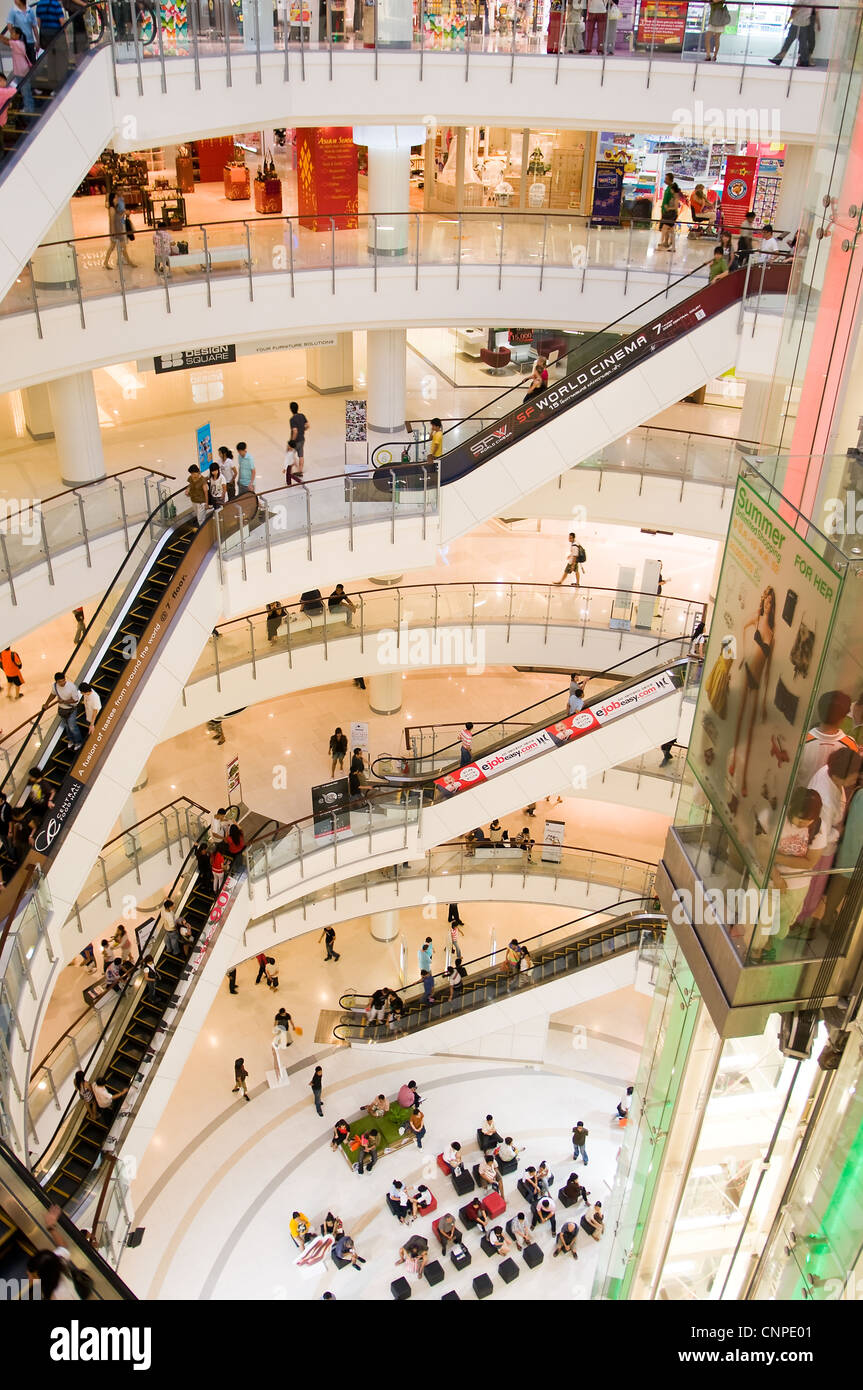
point(78, 1144)
point(433, 760)
point(572, 947)
point(591, 369)
point(115, 655)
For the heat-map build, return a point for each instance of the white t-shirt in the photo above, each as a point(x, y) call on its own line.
point(67, 692)
point(832, 807)
point(65, 1290)
point(228, 470)
point(103, 1096)
point(92, 705)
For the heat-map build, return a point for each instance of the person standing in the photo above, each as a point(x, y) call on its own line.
point(417, 1127)
point(612, 15)
point(10, 662)
point(228, 470)
point(435, 441)
point(368, 1150)
point(241, 1076)
point(425, 953)
point(624, 1103)
point(316, 1086)
point(718, 20)
point(466, 741)
point(105, 1098)
point(798, 28)
point(573, 561)
point(91, 703)
point(68, 700)
point(151, 976)
point(576, 696)
point(428, 986)
point(454, 933)
point(297, 439)
point(596, 20)
point(328, 934)
point(80, 625)
point(579, 1141)
point(231, 976)
point(197, 493)
point(246, 470)
point(117, 229)
point(218, 865)
point(261, 958)
point(51, 18)
point(217, 491)
point(338, 749)
point(23, 18)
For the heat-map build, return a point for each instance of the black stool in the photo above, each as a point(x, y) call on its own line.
point(508, 1270)
point(462, 1182)
point(434, 1272)
point(482, 1286)
point(451, 1297)
point(486, 1245)
point(468, 1220)
point(532, 1256)
point(507, 1165)
point(460, 1257)
point(400, 1289)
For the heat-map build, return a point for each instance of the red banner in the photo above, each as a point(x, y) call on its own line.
point(738, 189)
point(327, 177)
point(661, 25)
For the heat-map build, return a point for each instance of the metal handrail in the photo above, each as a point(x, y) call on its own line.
point(93, 482)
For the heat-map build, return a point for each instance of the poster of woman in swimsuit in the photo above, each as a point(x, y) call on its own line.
point(768, 632)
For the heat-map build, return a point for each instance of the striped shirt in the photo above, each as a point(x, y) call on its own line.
point(51, 16)
point(466, 740)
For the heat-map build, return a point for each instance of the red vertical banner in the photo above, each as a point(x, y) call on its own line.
point(738, 190)
point(327, 177)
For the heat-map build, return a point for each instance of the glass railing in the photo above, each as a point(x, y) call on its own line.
point(455, 860)
point(586, 940)
point(171, 831)
point(265, 249)
point(18, 945)
point(208, 31)
point(658, 452)
point(362, 498)
point(442, 609)
point(48, 527)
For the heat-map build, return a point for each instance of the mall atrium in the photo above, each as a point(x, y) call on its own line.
point(407, 411)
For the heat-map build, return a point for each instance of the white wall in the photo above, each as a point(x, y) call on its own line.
point(583, 98)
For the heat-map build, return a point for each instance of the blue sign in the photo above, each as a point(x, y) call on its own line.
point(204, 438)
point(607, 195)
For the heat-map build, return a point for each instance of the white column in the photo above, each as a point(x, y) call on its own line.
point(384, 926)
point(385, 693)
point(76, 428)
point(386, 350)
point(331, 369)
point(53, 263)
point(792, 190)
point(37, 411)
point(389, 150)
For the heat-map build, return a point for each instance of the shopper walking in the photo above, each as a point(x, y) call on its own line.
point(117, 230)
point(10, 662)
point(466, 741)
point(798, 31)
point(241, 1076)
point(316, 1085)
point(328, 934)
point(424, 954)
point(338, 750)
point(297, 438)
point(228, 470)
point(575, 558)
point(579, 1141)
point(196, 491)
point(68, 698)
point(80, 625)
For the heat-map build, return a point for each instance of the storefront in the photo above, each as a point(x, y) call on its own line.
point(475, 167)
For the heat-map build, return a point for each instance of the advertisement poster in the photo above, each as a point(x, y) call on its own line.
point(356, 428)
point(204, 445)
point(771, 621)
point(359, 736)
point(232, 777)
point(327, 177)
point(553, 833)
point(607, 195)
point(330, 808)
point(574, 726)
point(661, 26)
point(738, 189)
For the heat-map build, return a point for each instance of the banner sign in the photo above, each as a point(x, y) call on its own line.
point(185, 360)
point(631, 352)
point(661, 25)
point(607, 194)
point(556, 735)
point(331, 808)
point(359, 736)
point(327, 186)
point(738, 189)
point(772, 616)
point(232, 775)
point(70, 791)
point(204, 446)
point(355, 421)
point(553, 835)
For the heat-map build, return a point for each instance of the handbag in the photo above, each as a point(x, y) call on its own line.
point(130, 230)
point(298, 1030)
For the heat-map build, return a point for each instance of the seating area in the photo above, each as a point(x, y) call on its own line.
point(391, 1127)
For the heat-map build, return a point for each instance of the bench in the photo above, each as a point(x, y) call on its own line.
point(305, 622)
point(205, 260)
point(498, 852)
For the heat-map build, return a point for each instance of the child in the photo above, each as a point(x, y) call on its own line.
point(21, 66)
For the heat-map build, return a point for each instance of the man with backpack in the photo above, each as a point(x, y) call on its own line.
point(11, 664)
point(576, 557)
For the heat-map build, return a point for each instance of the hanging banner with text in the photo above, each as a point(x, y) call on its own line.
point(327, 178)
point(738, 189)
point(204, 446)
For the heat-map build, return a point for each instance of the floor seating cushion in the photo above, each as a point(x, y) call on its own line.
point(463, 1183)
point(508, 1270)
point(532, 1256)
point(434, 1272)
point(494, 1204)
point(482, 1286)
point(400, 1289)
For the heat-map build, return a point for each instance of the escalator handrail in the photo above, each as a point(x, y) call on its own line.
point(96, 482)
point(574, 922)
point(416, 780)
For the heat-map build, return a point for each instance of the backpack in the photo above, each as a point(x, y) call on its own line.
point(582, 555)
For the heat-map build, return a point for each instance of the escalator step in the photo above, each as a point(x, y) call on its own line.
point(74, 1167)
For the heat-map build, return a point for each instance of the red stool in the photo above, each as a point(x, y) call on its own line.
point(494, 1204)
point(443, 1165)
